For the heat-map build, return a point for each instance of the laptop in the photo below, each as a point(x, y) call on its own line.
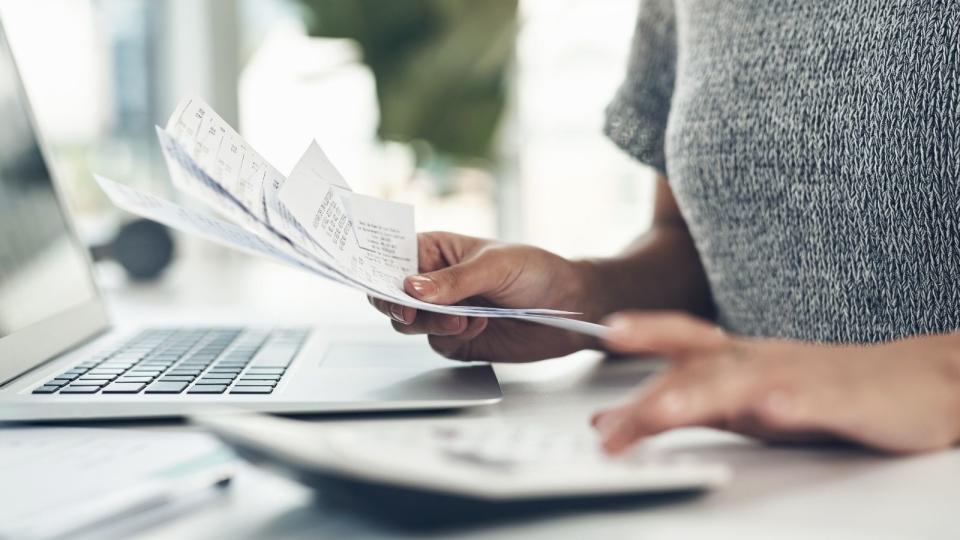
point(60, 359)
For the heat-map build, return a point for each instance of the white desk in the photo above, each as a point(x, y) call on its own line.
point(776, 492)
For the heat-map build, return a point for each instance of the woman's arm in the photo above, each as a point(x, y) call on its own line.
point(660, 270)
point(899, 397)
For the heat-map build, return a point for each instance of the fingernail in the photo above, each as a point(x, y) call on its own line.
point(452, 324)
point(396, 311)
point(423, 286)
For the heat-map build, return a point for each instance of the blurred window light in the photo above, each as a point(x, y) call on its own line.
point(579, 194)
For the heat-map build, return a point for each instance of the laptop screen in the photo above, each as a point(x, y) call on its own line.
point(43, 271)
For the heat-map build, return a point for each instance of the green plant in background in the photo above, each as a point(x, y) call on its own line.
point(440, 66)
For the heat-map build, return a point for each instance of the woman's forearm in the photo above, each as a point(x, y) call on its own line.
point(661, 270)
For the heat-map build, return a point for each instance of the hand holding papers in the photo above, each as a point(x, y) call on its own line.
point(311, 219)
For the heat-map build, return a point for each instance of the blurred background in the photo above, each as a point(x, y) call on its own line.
point(485, 115)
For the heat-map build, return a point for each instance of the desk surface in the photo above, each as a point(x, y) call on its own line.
point(775, 493)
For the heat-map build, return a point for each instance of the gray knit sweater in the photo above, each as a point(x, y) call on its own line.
point(814, 149)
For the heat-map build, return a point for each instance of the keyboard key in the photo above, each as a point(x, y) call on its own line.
point(255, 382)
point(68, 376)
point(58, 382)
point(101, 371)
point(161, 387)
point(80, 389)
point(251, 390)
point(266, 371)
point(207, 389)
point(134, 379)
point(46, 389)
point(177, 378)
point(123, 388)
point(259, 377)
point(116, 365)
point(91, 381)
point(191, 363)
point(144, 372)
point(184, 372)
point(101, 376)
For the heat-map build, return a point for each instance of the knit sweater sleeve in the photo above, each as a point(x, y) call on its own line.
point(636, 119)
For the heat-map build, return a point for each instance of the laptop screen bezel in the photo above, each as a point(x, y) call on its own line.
point(35, 344)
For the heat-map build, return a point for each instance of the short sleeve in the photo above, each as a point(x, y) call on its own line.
point(636, 119)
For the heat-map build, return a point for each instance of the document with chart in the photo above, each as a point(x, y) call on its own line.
point(310, 219)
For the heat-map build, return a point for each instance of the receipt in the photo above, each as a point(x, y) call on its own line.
point(386, 237)
point(219, 151)
point(313, 196)
point(373, 240)
point(310, 219)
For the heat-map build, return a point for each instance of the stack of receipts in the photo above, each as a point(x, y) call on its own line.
point(310, 219)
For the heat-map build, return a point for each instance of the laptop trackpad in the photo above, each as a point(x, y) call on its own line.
point(384, 356)
point(405, 372)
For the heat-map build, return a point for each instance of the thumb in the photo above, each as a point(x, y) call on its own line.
point(662, 332)
point(455, 283)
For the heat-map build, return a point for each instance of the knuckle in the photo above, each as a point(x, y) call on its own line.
point(776, 406)
point(447, 280)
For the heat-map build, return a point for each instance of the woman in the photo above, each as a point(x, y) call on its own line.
point(803, 269)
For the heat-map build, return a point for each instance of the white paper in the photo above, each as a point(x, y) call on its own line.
point(314, 200)
point(311, 219)
point(386, 235)
point(59, 479)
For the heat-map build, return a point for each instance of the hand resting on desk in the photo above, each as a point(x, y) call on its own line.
point(898, 397)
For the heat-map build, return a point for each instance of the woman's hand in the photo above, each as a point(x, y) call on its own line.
point(899, 397)
point(459, 269)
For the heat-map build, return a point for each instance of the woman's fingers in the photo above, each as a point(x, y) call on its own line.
point(408, 320)
point(400, 314)
point(659, 332)
point(702, 395)
point(769, 400)
point(434, 324)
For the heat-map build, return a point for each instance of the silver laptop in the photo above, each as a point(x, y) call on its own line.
point(60, 360)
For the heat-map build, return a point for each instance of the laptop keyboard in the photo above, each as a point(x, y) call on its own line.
point(186, 361)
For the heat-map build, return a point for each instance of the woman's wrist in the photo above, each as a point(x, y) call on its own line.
point(591, 290)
